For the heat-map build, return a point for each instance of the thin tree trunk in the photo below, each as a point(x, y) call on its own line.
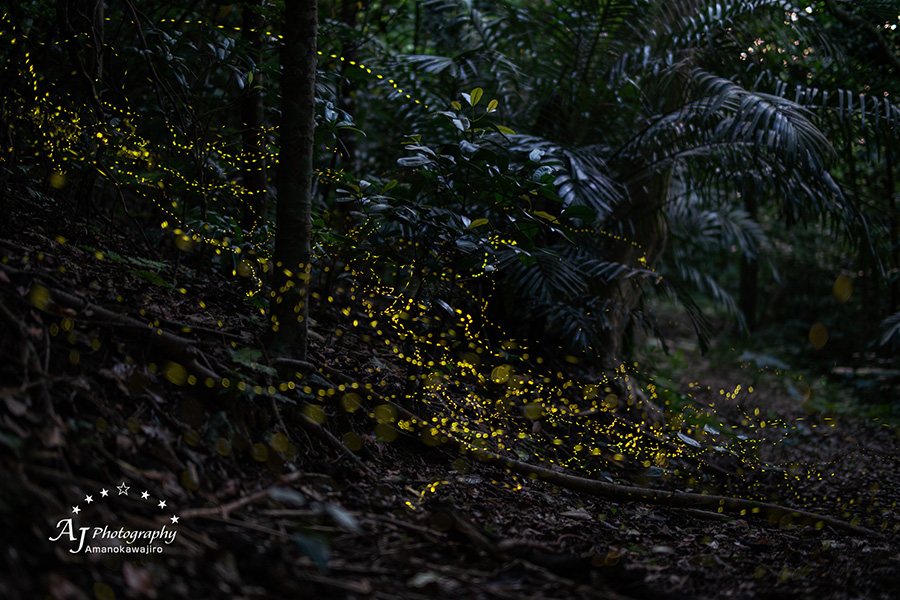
point(290, 306)
point(894, 231)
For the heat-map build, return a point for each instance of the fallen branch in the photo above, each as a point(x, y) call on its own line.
point(224, 510)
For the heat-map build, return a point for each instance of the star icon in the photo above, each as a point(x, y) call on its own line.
point(88, 499)
point(104, 493)
point(76, 510)
point(145, 495)
point(174, 519)
point(162, 503)
point(123, 489)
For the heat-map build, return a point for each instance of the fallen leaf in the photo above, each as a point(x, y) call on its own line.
point(579, 513)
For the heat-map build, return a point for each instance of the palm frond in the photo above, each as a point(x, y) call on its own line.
point(548, 277)
point(713, 229)
point(582, 177)
point(890, 330)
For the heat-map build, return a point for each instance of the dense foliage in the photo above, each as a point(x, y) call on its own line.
point(621, 151)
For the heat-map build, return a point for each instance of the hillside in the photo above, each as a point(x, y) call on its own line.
point(336, 478)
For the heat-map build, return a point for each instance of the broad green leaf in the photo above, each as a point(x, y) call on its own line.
point(248, 358)
point(579, 211)
point(492, 106)
point(687, 440)
point(546, 215)
point(504, 130)
point(466, 245)
point(476, 96)
point(390, 185)
point(461, 123)
point(477, 223)
point(456, 105)
point(413, 161)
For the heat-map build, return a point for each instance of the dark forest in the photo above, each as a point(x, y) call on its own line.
point(488, 299)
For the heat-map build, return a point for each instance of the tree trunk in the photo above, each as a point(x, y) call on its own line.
point(253, 138)
point(894, 224)
point(644, 233)
point(290, 306)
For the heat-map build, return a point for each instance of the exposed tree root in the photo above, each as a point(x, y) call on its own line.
point(627, 493)
point(776, 513)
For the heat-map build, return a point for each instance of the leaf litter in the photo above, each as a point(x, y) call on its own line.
point(270, 508)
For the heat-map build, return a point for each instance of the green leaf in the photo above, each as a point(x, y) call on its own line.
point(456, 105)
point(248, 358)
point(343, 518)
point(14, 443)
point(492, 106)
point(579, 211)
point(246, 355)
point(477, 223)
point(413, 161)
point(476, 96)
point(504, 130)
point(315, 547)
point(546, 215)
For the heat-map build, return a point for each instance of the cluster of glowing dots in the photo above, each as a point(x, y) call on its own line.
point(491, 397)
point(62, 131)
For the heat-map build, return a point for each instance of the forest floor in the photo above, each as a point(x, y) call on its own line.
point(113, 403)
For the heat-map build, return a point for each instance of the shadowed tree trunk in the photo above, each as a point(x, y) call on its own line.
point(290, 306)
point(644, 220)
point(894, 225)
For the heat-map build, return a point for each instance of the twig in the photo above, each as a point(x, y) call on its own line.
point(328, 437)
point(709, 515)
point(198, 329)
point(158, 82)
point(295, 363)
point(432, 535)
point(363, 587)
point(225, 510)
